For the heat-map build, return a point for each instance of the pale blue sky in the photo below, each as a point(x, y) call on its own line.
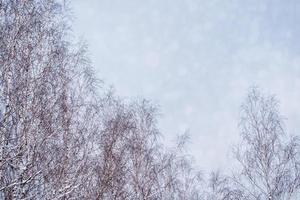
point(196, 59)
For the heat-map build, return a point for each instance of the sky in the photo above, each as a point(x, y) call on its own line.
point(197, 59)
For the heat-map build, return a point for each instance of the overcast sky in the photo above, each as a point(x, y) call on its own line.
point(196, 59)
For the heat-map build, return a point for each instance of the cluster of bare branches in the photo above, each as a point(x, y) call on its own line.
point(268, 159)
point(62, 136)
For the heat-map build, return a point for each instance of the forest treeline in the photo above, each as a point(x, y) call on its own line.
point(64, 136)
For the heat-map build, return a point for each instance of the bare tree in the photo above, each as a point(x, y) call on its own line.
point(43, 149)
point(268, 158)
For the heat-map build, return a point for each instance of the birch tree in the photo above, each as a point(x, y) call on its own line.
point(268, 157)
point(40, 134)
